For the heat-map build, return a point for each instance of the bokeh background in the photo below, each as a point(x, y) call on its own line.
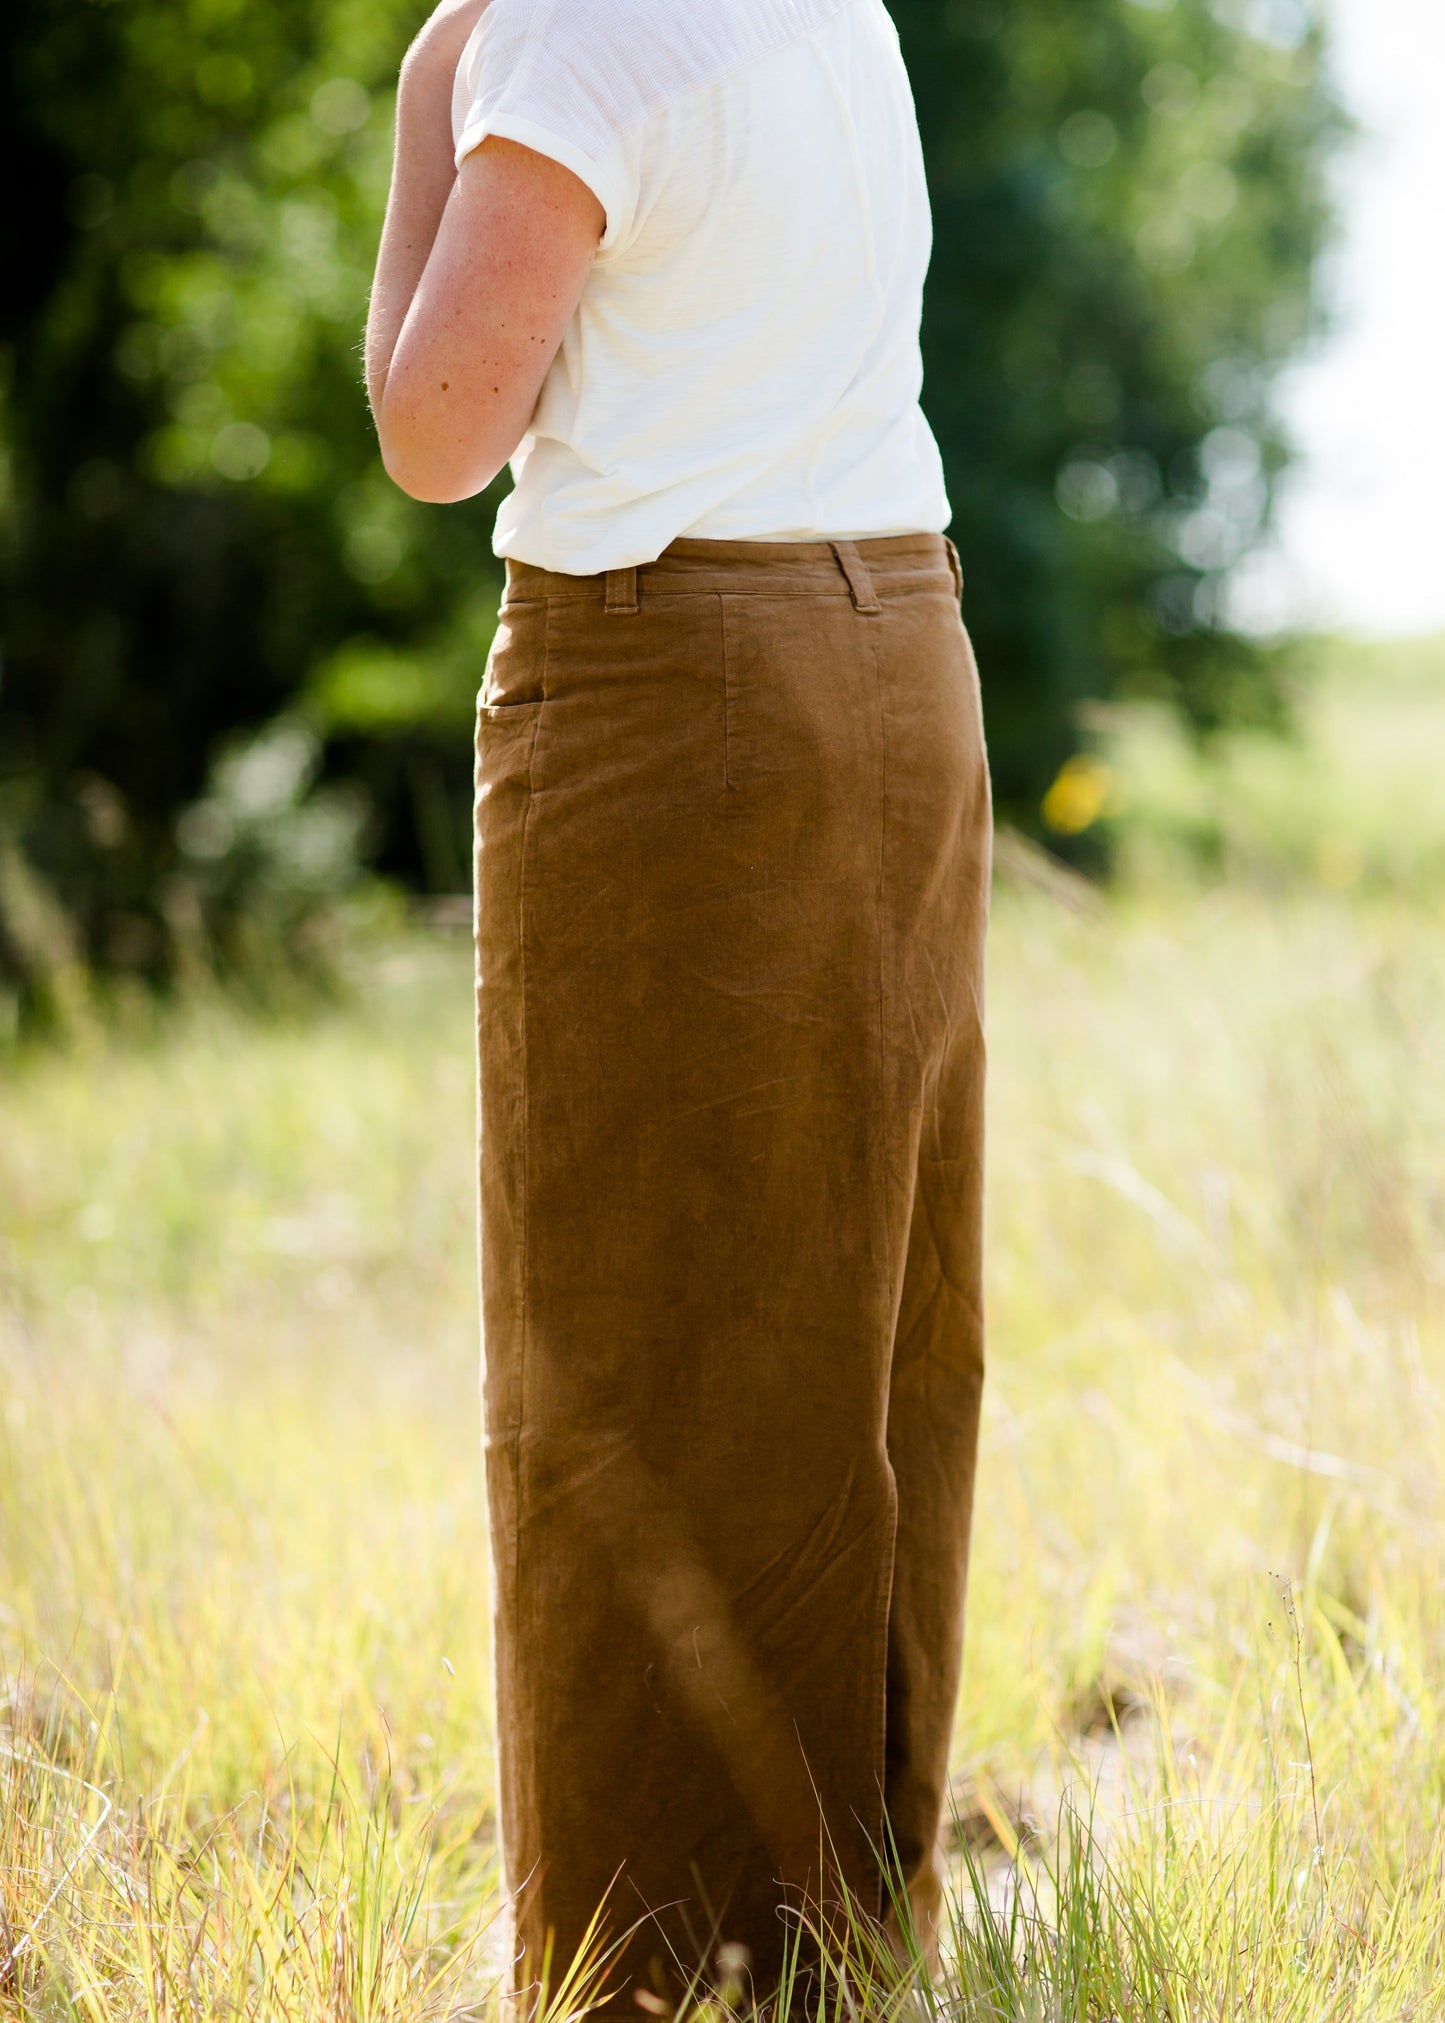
point(239, 667)
point(1182, 336)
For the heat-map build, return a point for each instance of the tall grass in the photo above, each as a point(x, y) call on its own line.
point(245, 1756)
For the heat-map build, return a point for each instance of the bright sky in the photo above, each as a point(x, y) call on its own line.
point(1362, 530)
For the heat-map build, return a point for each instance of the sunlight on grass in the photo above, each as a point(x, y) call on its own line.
point(244, 1735)
point(1354, 802)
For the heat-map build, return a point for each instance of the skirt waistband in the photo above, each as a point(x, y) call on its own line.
point(688, 566)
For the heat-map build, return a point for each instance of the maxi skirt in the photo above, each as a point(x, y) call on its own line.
point(733, 843)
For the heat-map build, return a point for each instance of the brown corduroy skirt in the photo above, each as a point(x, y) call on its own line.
point(733, 842)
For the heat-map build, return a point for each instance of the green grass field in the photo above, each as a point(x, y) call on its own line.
point(1200, 1755)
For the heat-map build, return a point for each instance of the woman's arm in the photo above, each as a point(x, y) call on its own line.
point(477, 278)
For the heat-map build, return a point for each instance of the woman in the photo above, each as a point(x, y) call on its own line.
point(733, 841)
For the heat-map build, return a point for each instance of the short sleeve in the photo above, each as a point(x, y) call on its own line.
point(538, 72)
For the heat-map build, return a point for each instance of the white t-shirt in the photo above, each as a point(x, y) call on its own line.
point(744, 361)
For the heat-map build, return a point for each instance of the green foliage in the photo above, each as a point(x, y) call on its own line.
point(1352, 801)
point(197, 533)
point(1128, 206)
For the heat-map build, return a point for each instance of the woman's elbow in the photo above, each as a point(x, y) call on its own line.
point(441, 456)
point(437, 477)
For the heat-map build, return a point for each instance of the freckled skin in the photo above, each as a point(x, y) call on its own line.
point(478, 275)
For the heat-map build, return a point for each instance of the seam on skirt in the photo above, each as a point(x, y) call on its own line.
point(674, 583)
point(660, 590)
point(882, 1008)
point(885, 1604)
point(722, 626)
point(524, 1262)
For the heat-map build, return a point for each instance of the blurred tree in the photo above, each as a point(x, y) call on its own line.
point(1129, 205)
point(197, 534)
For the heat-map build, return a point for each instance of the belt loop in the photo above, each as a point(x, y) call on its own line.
point(956, 566)
point(621, 590)
point(860, 582)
